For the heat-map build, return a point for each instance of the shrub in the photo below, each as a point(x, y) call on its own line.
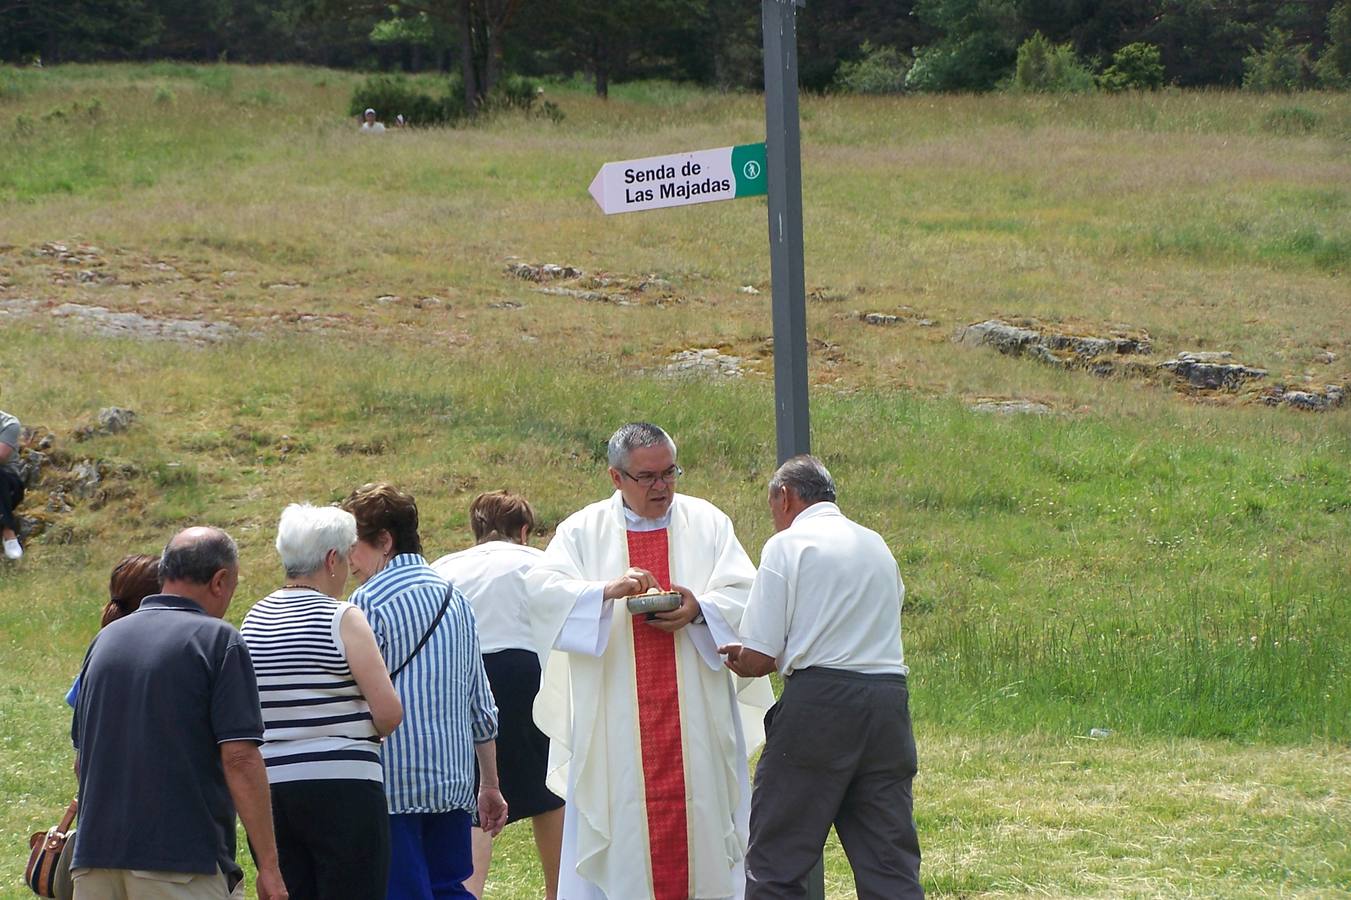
point(1135, 67)
point(1334, 66)
point(392, 95)
point(512, 92)
point(1048, 68)
point(163, 95)
point(1279, 66)
point(881, 70)
point(1291, 120)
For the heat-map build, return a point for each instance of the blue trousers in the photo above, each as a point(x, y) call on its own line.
point(430, 856)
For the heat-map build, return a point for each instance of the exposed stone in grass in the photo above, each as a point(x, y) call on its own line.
point(708, 361)
point(507, 304)
point(543, 271)
point(748, 289)
point(1329, 396)
point(21, 308)
point(587, 296)
point(70, 254)
point(110, 420)
point(827, 295)
point(1326, 357)
point(904, 315)
point(105, 321)
point(1211, 370)
point(375, 447)
point(599, 287)
point(1008, 407)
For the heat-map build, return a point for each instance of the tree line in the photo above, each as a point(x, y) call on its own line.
point(876, 45)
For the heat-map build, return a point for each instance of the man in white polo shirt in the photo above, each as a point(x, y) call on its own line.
point(825, 610)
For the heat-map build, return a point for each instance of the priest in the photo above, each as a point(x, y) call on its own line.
point(649, 734)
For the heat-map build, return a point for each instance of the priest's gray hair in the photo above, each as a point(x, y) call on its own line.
point(305, 535)
point(634, 436)
point(805, 476)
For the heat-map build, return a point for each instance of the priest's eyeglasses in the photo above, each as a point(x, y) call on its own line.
point(647, 479)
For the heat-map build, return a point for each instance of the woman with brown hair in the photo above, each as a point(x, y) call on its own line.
point(134, 578)
point(425, 630)
point(491, 575)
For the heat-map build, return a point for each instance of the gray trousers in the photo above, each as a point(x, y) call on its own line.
point(839, 751)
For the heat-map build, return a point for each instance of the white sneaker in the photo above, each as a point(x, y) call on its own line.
point(12, 549)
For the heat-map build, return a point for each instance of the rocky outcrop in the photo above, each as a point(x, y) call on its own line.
point(1054, 346)
point(1212, 370)
point(1327, 397)
point(58, 482)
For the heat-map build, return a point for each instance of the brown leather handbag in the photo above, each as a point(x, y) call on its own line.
point(49, 860)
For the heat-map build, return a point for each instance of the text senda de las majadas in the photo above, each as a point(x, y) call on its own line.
point(668, 188)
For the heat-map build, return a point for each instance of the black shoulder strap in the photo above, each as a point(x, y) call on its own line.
point(445, 604)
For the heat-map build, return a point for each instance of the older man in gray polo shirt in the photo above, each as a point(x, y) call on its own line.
point(167, 728)
point(825, 610)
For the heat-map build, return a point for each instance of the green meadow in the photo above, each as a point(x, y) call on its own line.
point(1166, 568)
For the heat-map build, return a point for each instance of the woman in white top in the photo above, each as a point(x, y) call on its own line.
point(491, 575)
point(327, 702)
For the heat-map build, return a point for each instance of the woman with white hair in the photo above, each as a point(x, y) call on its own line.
point(327, 702)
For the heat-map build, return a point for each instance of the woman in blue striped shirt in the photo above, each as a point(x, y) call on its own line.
point(327, 701)
point(426, 632)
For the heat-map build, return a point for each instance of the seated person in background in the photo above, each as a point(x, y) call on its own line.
point(370, 125)
point(134, 578)
point(11, 485)
point(491, 575)
point(327, 701)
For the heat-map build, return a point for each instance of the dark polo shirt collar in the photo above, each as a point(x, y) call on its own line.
point(172, 601)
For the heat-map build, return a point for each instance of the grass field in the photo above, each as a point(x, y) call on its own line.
point(1171, 569)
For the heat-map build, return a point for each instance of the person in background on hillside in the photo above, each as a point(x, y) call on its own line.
point(491, 575)
point(134, 578)
point(327, 701)
point(166, 733)
point(369, 125)
point(11, 485)
point(425, 630)
point(825, 610)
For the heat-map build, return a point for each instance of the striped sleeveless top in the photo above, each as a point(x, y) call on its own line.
point(318, 725)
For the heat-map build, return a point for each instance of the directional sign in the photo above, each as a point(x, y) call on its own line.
point(701, 176)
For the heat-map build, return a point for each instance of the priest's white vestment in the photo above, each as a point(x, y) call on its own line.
point(588, 703)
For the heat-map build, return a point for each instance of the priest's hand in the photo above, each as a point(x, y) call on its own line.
point(492, 810)
point(747, 663)
point(678, 618)
point(634, 581)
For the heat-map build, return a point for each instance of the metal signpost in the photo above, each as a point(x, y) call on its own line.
point(784, 164)
point(725, 173)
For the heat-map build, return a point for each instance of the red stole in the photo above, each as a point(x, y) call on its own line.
point(654, 659)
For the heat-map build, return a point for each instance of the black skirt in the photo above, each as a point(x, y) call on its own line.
point(522, 749)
